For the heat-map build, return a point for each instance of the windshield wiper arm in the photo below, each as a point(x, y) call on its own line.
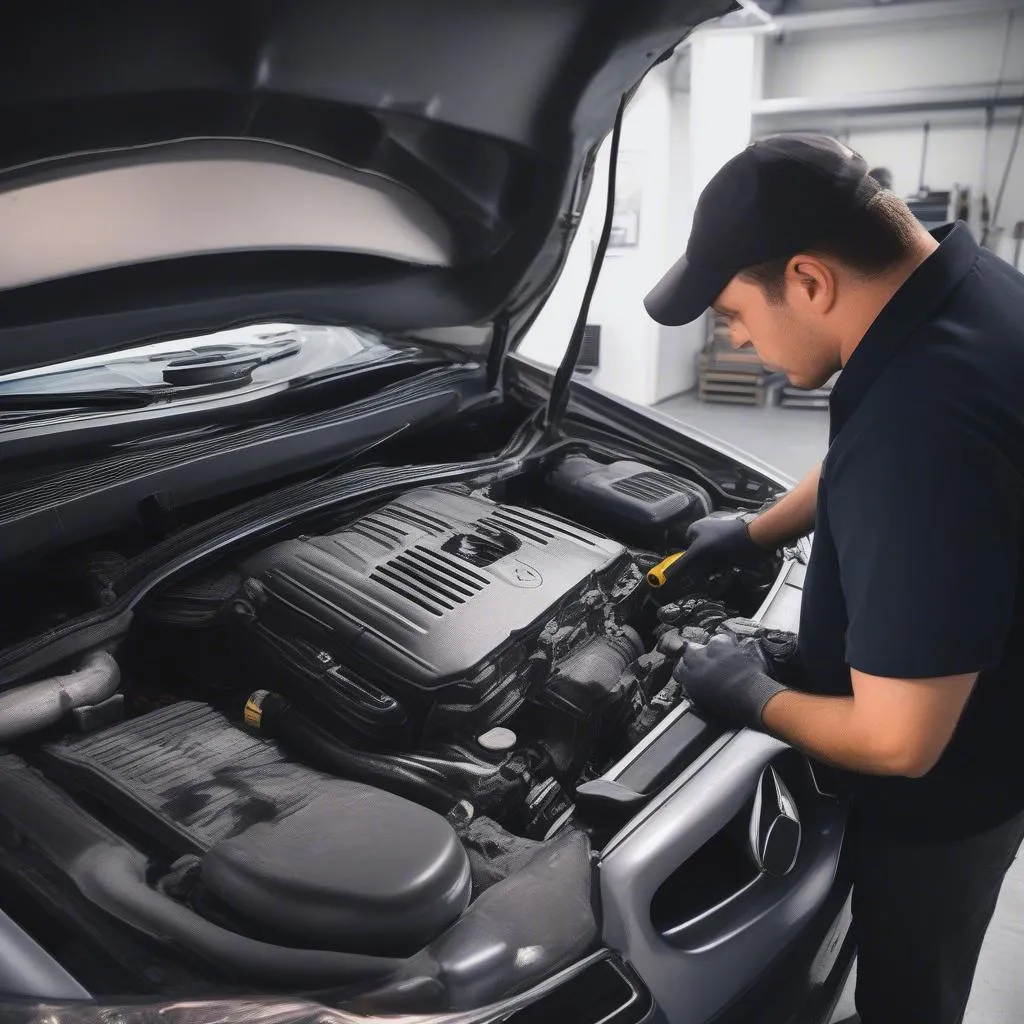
point(60, 401)
point(181, 374)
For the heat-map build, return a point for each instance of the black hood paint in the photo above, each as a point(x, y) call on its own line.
point(490, 110)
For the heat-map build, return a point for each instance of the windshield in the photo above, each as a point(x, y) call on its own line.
point(262, 354)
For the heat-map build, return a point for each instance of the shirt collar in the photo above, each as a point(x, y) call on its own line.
point(919, 298)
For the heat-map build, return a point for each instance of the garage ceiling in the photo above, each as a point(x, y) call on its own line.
point(808, 6)
point(780, 19)
point(775, 7)
point(782, 16)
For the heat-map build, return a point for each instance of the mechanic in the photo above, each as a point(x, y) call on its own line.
point(912, 623)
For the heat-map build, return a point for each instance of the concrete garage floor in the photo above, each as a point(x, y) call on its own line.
point(789, 439)
point(792, 439)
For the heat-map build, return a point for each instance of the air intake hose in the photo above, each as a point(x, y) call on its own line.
point(35, 706)
point(273, 715)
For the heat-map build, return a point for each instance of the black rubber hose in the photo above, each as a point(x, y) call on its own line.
point(274, 716)
point(596, 668)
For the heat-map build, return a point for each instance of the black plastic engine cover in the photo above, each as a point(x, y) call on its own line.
point(635, 501)
point(294, 856)
point(421, 603)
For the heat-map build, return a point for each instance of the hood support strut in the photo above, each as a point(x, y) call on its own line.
point(559, 399)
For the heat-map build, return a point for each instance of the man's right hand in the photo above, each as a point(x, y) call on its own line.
point(716, 543)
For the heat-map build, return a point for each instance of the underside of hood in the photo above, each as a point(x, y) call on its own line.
point(174, 167)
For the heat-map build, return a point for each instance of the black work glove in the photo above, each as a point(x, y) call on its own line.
point(717, 543)
point(728, 680)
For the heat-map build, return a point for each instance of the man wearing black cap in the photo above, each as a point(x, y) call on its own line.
point(912, 625)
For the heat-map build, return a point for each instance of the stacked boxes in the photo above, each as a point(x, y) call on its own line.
point(730, 375)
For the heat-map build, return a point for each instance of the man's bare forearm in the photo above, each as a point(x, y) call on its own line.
point(890, 726)
point(791, 517)
point(832, 730)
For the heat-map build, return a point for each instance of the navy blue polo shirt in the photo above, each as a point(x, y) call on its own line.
point(916, 569)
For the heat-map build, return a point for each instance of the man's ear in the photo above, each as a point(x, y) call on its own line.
point(810, 283)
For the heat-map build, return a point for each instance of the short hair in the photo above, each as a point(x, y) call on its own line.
point(877, 238)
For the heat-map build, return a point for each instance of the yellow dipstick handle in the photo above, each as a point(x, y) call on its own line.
point(659, 575)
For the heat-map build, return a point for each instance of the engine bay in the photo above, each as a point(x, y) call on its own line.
point(341, 756)
point(428, 612)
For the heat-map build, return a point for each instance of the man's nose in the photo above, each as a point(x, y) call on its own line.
point(740, 339)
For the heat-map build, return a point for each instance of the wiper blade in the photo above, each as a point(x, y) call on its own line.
point(180, 374)
point(67, 401)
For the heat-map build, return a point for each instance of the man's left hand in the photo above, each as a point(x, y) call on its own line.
point(728, 680)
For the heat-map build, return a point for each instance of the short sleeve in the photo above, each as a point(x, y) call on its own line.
point(925, 520)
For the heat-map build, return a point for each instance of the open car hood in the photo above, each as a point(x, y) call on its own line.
point(177, 167)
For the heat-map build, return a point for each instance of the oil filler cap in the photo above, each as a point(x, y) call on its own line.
point(497, 740)
point(253, 712)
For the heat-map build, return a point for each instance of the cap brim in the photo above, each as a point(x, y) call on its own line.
point(685, 292)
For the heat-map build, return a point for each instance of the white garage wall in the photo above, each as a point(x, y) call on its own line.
point(955, 158)
point(971, 51)
point(676, 369)
point(708, 126)
point(914, 55)
point(630, 340)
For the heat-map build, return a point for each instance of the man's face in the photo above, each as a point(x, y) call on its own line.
point(784, 339)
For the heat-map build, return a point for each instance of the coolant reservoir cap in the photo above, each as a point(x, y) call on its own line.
point(497, 740)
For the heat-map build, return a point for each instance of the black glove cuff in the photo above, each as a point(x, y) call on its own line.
point(761, 690)
point(749, 551)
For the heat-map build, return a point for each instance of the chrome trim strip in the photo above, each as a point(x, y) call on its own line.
point(673, 716)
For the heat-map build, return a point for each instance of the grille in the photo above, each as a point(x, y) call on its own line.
point(648, 486)
point(391, 525)
point(430, 579)
point(374, 527)
point(415, 517)
point(532, 527)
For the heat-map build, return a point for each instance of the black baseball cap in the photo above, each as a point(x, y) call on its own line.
point(778, 196)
